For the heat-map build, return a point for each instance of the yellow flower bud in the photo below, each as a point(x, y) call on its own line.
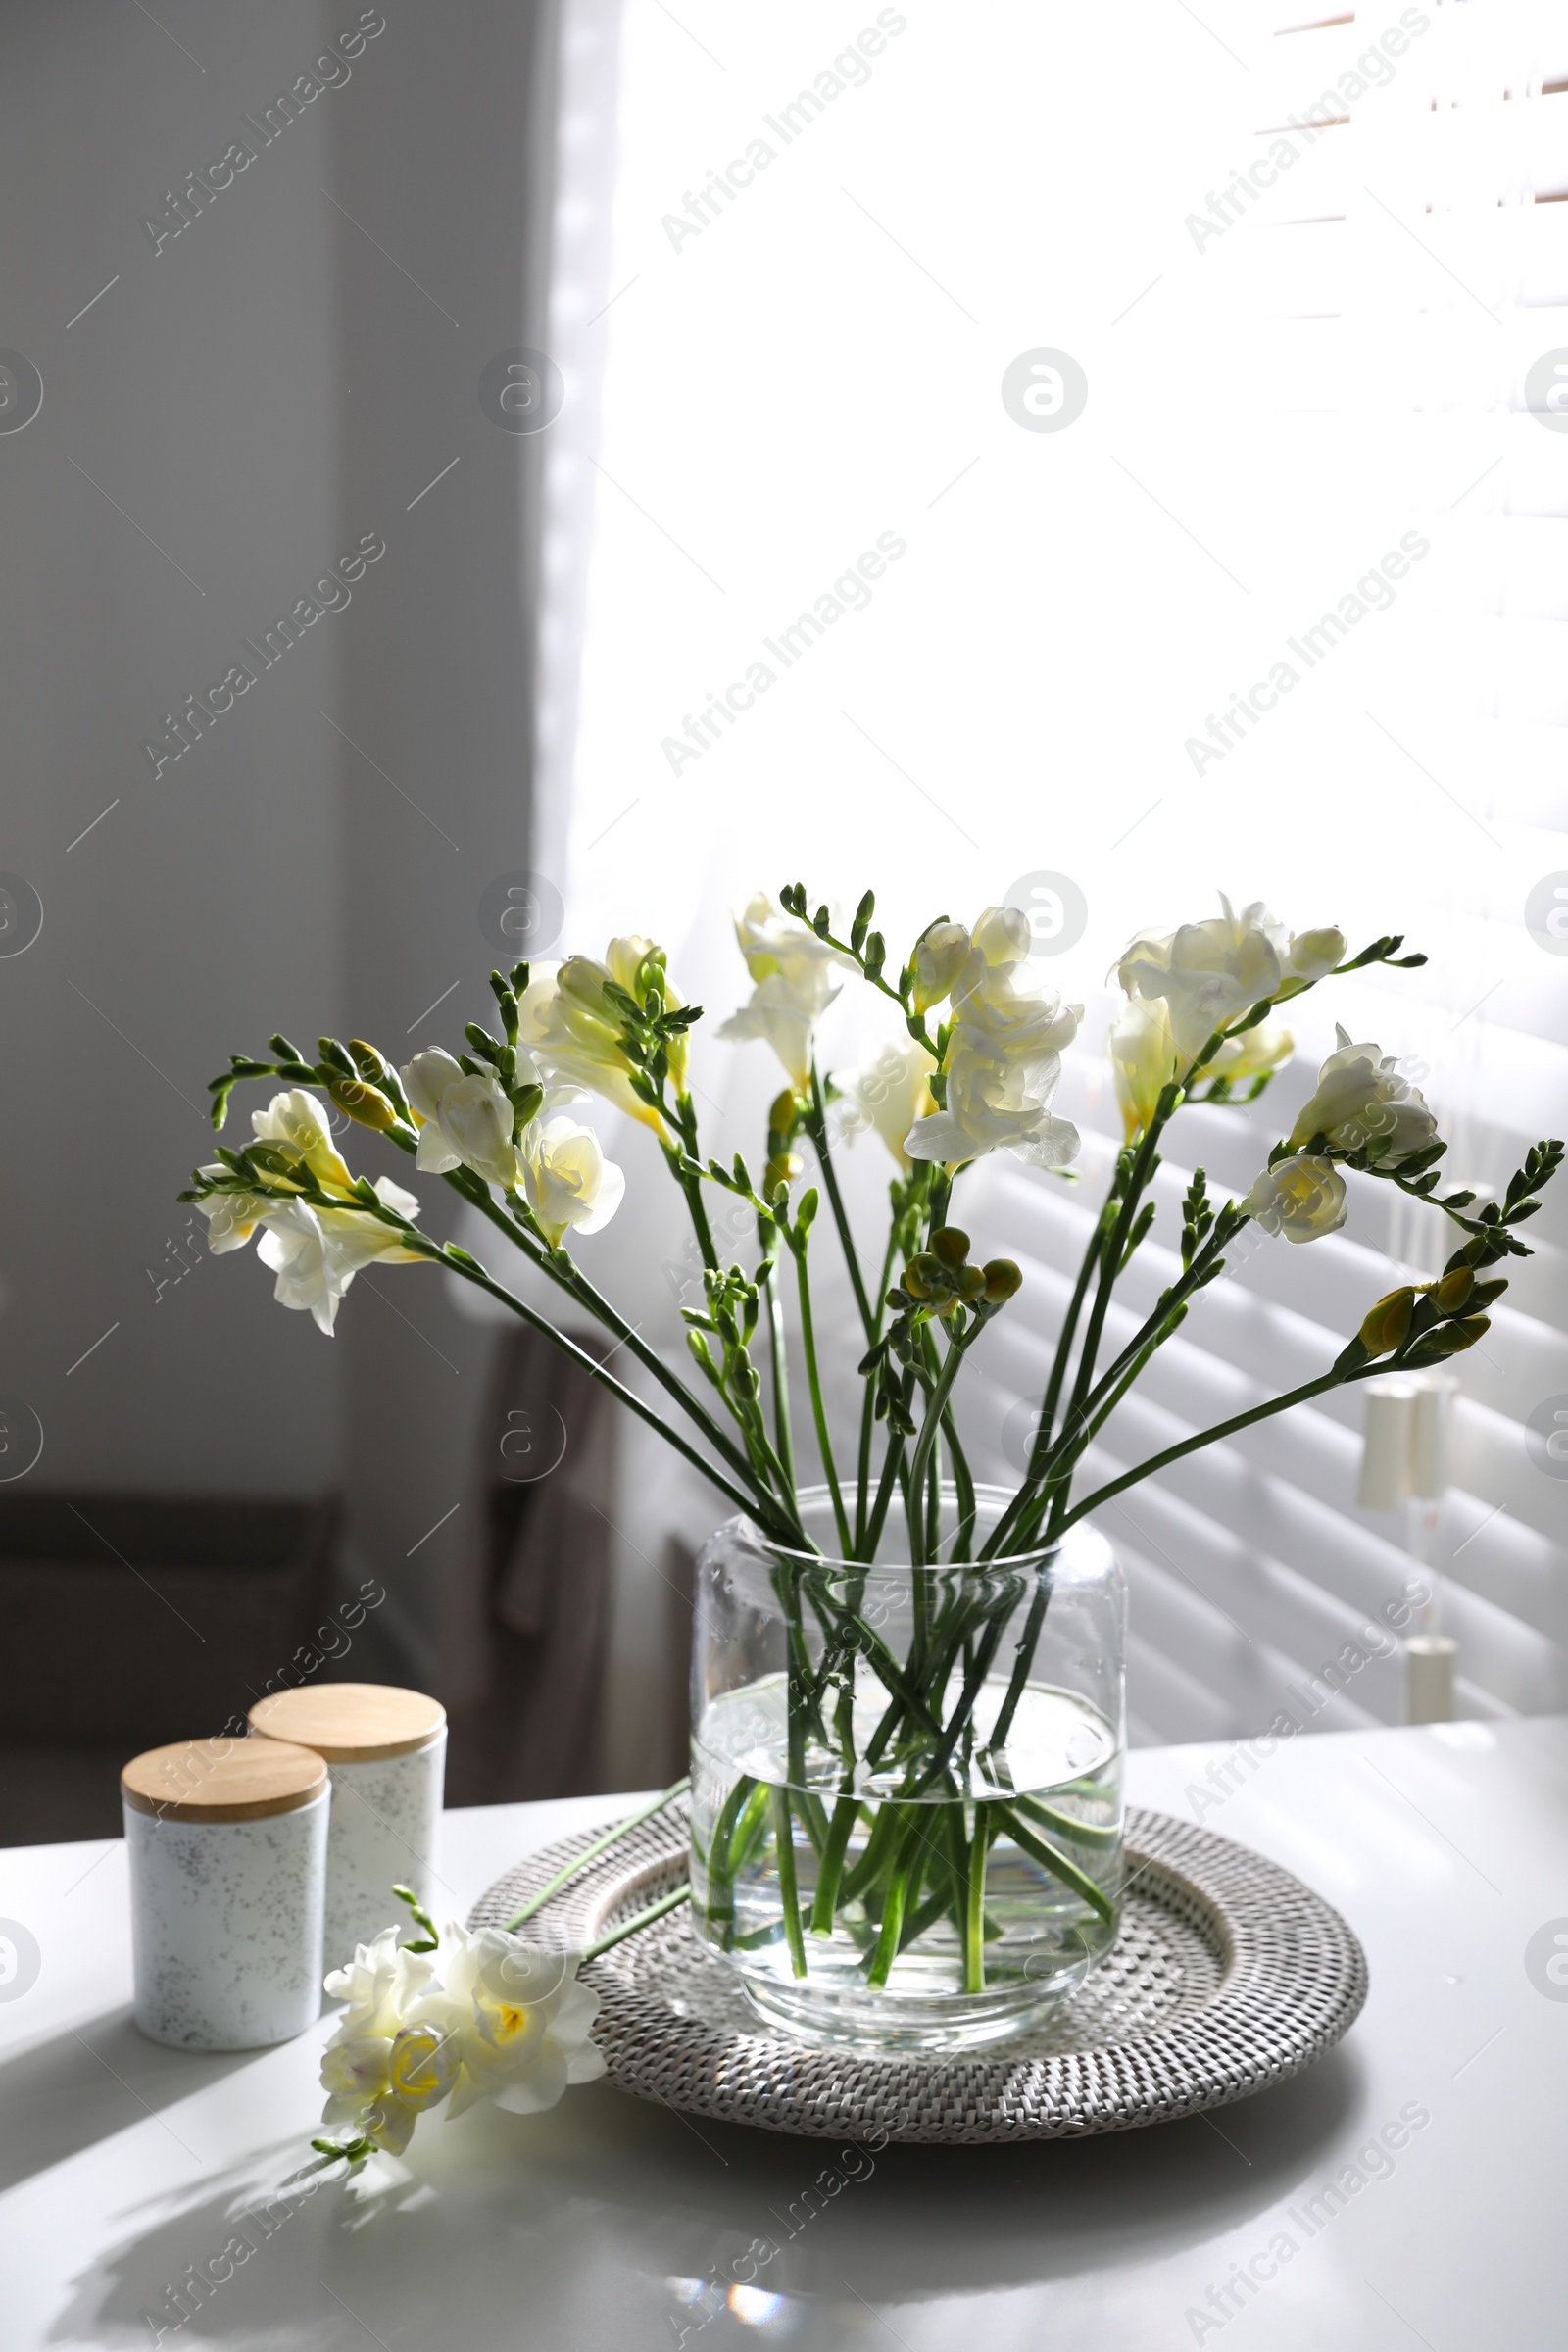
point(782, 1113)
point(362, 1102)
point(782, 1168)
point(950, 1245)
point(922, 1276)
point(1450, 1294)
point(1001, 1278)
point(1388, 1325)
point(1451, 1338)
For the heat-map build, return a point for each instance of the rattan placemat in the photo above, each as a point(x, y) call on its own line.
point(1228, 1976)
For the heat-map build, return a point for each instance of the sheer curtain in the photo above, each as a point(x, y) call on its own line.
point(1279, 613)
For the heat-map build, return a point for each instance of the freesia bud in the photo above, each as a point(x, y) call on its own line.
point(1451, 1338)
point(1003, 1279)
point(782, 1113)
point(923, 1275)
point(1301, 1198)
point(1388, 1325)
point(1453, 1289)
point(364, 1103)
point(782, 1168)
point(950, 1245)
point(939, 958)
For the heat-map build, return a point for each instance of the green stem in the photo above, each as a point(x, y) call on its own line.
point(959, 1875)
point(1154, 1332)
point(884, 1836)
point(840, 1830)
point(974, 1948)
point(718, 1903)
point(784, 1841)
point(766, 1505)
point(1211, 1436)
point(577, 1285)
point(898, 1893)
point(1040, 1450)
point(630, 1926)
point(884, 1497)
point(818, 1408)
point(974, 1684)
point(691, 1186)
point(1028, 1641)
point(928, 1435)
point(1145, 1160)
point(778, 1355)
point(862, 1470)
point(591, 1853)
point(963, 1484)
point(817, 1128)
point(1065, 1825)
point(868, 1412)
point(1049, 1858)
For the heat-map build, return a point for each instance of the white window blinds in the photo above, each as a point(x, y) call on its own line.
point(1315, 275)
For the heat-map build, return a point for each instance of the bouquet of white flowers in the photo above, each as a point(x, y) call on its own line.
point(976, 1073)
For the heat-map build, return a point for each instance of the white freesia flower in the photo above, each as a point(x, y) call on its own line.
point(494, 2018)
point(381, 1984)
point(231, 1217)
point(777, 944)
point(1208, 973)
point(463, 1119)
point(1361, 1097)
point(299, 1122)
point(569, 1181)
point(888, 1094)
point(1257, 1054)
point(573, 1028)
point(521, 2021)
point(1301, 1198)
point(783, 1015)
point(796, 977)
point(316, 1253)
point(1142, 1058)
point(1003, 1060)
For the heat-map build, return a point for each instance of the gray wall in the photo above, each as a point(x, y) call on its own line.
point(254, 396)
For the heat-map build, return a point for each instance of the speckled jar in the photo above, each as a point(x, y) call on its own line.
point(385, 1749)
point(228, 1885)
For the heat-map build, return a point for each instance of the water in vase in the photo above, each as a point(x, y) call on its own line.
point(908, 1895)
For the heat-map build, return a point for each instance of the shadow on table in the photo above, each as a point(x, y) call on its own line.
point(600, 2222)
point(53, 2096)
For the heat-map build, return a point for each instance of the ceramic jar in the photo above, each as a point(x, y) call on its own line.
point(385, 1751)
point(228, 1844)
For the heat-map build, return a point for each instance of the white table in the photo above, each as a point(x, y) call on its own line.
point(592, 2229)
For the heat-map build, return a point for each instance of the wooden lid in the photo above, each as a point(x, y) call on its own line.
point(351, 1723)
point(222, 1779)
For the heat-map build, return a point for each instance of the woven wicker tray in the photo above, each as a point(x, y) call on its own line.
point(1228, 1976)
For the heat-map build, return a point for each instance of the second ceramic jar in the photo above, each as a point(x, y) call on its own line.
point(385, 1751)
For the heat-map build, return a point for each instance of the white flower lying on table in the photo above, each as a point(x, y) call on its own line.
point(494, 2018)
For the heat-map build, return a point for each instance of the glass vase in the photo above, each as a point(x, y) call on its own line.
point(906, 1781)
